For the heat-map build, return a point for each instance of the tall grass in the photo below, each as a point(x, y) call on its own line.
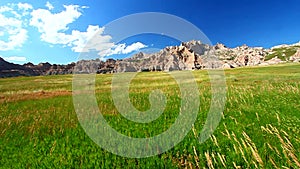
point(259, 126)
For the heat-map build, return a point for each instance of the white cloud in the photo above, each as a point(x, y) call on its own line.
point(92, 39)
point(123, 49)
point(5, 9)
point(15, 59)
point(24, 6)
point(49, 5)
point(134, 47)
point(53, 28)
point(12, 33)
point(52, 25)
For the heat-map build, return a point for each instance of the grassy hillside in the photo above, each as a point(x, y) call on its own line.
point(283, 53)
point(259, 128)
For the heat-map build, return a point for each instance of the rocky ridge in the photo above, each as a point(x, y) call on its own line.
point(191, 55)
point(194, 55)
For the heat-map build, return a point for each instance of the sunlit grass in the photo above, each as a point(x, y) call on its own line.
point(259, 127)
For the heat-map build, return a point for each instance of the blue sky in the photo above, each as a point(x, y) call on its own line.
point(57, 31)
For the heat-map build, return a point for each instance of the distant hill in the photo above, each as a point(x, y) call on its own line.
point(11, 70)
point(191, 55)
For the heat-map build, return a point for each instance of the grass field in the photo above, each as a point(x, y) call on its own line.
point(259, 127)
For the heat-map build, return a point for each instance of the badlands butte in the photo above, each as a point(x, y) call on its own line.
point(192, 55)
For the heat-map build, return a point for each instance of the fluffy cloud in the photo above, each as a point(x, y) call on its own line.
point(49, 5)
point(24, 6)
point(123, 49)
point(12, 32)
point(134, 47)
point(15, 59)
point(53, 28)
point(52, 25)
point(92, 39)
point(5, 9)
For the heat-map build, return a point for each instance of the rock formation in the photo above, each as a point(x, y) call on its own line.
point(191, 55)
point(11, 70)
point(296, 56)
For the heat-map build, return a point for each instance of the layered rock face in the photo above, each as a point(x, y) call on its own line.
point(191, 55)
point(295, 57)
point(168, 59)
point(48, 69)
point(11, 70)
point(240, 56)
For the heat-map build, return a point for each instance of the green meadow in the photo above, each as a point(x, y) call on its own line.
point(259, 127)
